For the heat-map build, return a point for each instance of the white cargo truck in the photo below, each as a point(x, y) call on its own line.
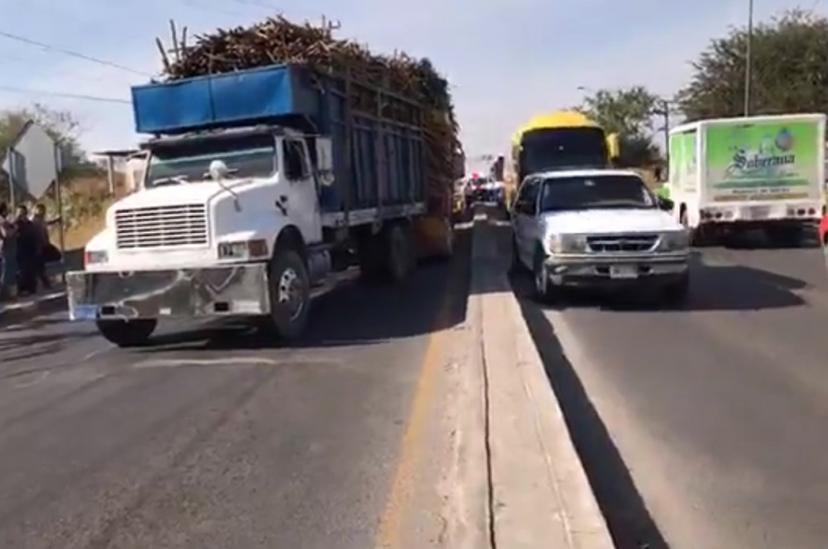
point(764, 172)
point(256, 182)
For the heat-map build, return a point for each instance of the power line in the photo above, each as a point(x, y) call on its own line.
point(15, 89)
point(72, 53)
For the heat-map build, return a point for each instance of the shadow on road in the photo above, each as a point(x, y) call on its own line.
point(433, 299)
point(626, 513)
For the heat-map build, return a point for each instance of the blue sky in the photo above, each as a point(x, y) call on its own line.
point(506, 59)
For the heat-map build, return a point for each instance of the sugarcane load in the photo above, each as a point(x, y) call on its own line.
point(279, 155)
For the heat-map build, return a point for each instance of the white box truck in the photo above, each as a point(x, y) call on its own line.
point(763, 172)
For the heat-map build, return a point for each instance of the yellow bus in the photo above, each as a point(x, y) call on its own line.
point(558, 141)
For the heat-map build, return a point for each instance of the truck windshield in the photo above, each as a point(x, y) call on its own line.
point(589, 193)
point(550, 149)
point(249, 156)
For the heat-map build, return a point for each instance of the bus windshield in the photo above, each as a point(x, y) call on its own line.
point(550, 149)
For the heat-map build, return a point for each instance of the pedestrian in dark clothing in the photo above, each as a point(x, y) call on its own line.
point(44, 246)
point(27, 252)
point(6, 233)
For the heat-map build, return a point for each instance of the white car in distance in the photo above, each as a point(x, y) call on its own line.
point(598, 228)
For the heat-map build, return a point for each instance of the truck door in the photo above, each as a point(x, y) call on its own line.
point(300, 199)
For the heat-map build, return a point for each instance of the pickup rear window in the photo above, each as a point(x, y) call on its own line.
point(595, 192)
point(249, 156)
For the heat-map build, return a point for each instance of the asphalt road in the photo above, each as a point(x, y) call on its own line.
point(701, 427)
point(224, 439)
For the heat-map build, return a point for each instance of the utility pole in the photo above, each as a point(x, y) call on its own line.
point(666, 105)
point(749, 59)
point(665, 112)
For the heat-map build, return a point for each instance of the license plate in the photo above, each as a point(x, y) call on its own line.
point(624, 272)
point(85, 312)
point(759, 212)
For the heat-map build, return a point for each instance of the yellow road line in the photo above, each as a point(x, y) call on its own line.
point(388, 534)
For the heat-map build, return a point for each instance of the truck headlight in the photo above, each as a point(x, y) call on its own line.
point(248, 249)
point(676, 241)
point(567, 244)
point(95, 257)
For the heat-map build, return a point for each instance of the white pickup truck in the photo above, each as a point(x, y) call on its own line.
point(599, 228)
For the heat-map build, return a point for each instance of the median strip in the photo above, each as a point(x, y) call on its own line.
point(540, 493)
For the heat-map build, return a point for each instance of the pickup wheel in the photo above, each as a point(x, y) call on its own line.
point(127, 333)
point(289, 295)
point(544, 290)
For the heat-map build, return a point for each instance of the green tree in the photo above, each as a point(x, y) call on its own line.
point(629, 113)
point(62, 126)
point(790, 70)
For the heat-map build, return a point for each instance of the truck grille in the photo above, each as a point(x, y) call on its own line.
point(622, 243)
point(161, 227)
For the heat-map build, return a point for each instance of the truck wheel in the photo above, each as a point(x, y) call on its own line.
point(786, 237)
point(370, 253)
point(289, 295)
point(127, 333)
point(399, 252)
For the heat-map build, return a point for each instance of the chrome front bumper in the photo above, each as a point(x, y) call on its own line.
point(239, 290)
point(597, 269)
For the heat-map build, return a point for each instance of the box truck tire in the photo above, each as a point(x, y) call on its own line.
point(127, 333)
point(289, 295)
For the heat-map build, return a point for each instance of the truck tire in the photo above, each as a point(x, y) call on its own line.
point(289, 295)
point(399, 254)
point(127, 333)
point(785, 237)
point(370, 255)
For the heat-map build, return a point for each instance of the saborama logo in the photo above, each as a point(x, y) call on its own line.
point(767, 156)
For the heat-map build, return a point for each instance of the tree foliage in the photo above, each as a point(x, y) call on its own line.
point(62, 126)
point(790, 70)
point(629, 113)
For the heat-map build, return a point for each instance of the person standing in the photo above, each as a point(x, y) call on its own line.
point(6, 233)
point(45, 251)
point(27, 252)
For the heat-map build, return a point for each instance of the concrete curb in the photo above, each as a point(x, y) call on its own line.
point(541, 496)
point(12, 313)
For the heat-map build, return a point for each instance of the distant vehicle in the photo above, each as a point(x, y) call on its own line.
point(459, 205)
point(597, 228)
point(485, 189)
point(763, 172)
point(823, 232)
